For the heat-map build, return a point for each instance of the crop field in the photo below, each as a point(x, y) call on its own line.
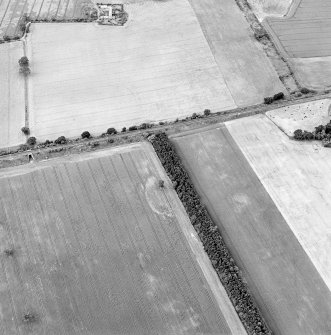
point(157, 67)
point(296, 177)
point(248, 72)
point(306, 31)
point(289, 288)
point(304, 116)
point(12, 101)
point(91, 244)
point(12, 10)
point(265, 8)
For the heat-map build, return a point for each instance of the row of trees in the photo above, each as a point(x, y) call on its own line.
point(321, 133)
point(210, 236)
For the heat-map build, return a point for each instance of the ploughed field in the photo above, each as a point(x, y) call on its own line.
point(306, 31)
point(91, 244)
point(270, 203)
point(11, 11)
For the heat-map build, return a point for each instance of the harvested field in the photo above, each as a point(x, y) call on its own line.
point(12, 10)
point(99, 248)
point(304, 116)
point(157, 67)
point(313, 72)
point(247, 71)
point(265, 8)
point(296, 175)
point(306, 31)
point(290, 292)
point(12, 103)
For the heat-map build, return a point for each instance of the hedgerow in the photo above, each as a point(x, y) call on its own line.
point(213, 243)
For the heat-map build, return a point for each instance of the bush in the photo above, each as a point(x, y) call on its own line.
point(6, 38)
point(111, 131)
point(305, 90)
point(210, 237)
point(194, 116)
point(25, 130)
point(144, 126)
point(31, 141)
point(161, 183)
point(298, 134)
point(206, 112)
point(133, 128)
point(328, 128)
point(123, 129)
point(85, 134)
point(25, 70)
point(279, 96)
point(307, 135)
point(23, 61)
point(60, 140)
point(268, 100)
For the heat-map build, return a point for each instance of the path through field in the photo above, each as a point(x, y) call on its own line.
point(12, 100)
point(289, 290)
point(100, 248)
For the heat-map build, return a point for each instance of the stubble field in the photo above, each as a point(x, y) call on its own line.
point(99, 248)
point(157, 67)
point(290, 289)
point(12, 99)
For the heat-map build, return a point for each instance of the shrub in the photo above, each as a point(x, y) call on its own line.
point(29, 318)
point(319, 128)
point(307, 135)
point(61, 140)
point(31, 141)
point(268, 100)
point(144, 126)
point(111, 131)
point(133, 128)
point(328, 128)
point(25, 70)
point(161, 183)
point(298, 134)
point(23, 61)
point(9, 252)
point(194, 116)
point(6, 38)
point(25, 130)
point(85, 134)
point(279, 96)
point(206, 112)
point(123, 129)
point(305, 90)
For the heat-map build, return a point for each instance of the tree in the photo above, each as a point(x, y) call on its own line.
point(32, 140)
point(298, 134)
point(85, 134)
point(25, 130)
point(23, 61)
point(111, 131)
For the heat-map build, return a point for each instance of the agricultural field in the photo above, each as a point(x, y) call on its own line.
point(304, 116)
point(304, 37)
point(157, 67)
point(236, 52)
point(11, 12)
point(238, 174)
point(91, 244)
point(12, 93)
point(265, 8)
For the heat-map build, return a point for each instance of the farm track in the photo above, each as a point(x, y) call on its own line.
point(306, 31)
point(97, 244)
point(288, 288)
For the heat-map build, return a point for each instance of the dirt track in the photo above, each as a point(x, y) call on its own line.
point(288, 288)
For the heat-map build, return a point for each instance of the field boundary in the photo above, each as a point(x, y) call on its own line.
point(262, 35)
point(213, 243)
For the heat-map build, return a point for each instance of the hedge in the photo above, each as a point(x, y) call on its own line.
point(213, 243)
